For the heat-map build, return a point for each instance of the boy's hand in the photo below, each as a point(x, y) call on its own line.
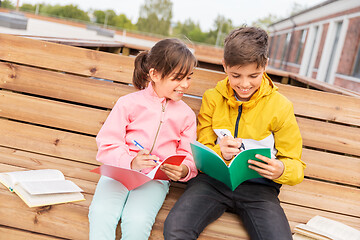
point(143, 160)
point(175, 172)
point(272, 170)
point(230, 146)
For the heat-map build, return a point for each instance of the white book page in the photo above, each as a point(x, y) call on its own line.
point(312, 232)
point(48, 187)
point(36, 175)
point(338, 230)
point(298, 236)
point(7, 180)
point(151, 174)
point(48, 199)
point(204, 147)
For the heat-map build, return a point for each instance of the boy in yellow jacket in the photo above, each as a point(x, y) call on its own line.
point(245, 110)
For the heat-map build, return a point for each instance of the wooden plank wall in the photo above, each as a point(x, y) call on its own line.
point(55, 98)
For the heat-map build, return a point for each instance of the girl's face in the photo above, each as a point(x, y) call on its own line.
point(169, 87)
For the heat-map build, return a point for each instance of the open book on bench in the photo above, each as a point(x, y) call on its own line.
point(41, 187)
point(238, 171)
point(132, 179)
point(321, 228)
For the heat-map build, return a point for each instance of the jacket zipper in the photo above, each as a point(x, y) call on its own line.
point(161, 121)
point(237, 121)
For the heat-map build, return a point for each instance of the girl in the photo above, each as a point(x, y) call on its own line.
point(157, 119)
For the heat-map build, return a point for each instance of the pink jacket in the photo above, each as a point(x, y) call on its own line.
point(166, 127)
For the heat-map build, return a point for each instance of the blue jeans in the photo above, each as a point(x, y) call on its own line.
point(206, 199)
point(137, 209)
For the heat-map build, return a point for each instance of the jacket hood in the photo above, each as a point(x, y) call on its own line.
point(266, 88)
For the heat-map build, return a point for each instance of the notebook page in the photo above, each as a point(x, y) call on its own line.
point(48, 187)
point(7, 180)
point(48, 199)
point(36, 175)
point(152, 173)
point(338, 230)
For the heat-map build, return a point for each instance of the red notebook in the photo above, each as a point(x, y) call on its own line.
point(132, 179)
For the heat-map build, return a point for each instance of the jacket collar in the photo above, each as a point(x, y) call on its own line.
point(267, 87)
point(150, 93)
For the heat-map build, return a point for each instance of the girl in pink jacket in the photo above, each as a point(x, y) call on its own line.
point(163, 124)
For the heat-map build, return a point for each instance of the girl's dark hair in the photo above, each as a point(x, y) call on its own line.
point(165, 56)
point(246, 45)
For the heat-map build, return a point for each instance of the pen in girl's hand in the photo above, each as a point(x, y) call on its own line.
point(140, 147)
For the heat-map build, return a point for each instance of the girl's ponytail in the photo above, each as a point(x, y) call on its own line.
point(140, 75)
point(165, 57)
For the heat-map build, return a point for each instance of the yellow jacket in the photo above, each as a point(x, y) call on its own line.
point(266, 120)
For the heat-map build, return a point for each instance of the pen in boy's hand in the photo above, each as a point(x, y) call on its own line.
point(242, 147)
point(223, 134)
point(140, 147)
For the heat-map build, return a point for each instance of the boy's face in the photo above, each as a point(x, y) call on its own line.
point(245, 80)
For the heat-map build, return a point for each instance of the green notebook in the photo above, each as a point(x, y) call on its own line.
point(238, 171)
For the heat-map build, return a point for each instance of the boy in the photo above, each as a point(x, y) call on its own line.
point(249, 112)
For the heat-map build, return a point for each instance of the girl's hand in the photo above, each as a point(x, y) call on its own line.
point(272, 170)
point(143, 160)
point(230, 146)
point(175, 172)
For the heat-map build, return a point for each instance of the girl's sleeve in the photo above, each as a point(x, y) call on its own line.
point(112, 149)
point(187, 136)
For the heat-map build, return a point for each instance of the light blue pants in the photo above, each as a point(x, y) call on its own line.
point(137, 209)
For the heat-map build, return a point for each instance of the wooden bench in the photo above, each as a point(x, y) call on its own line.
point(54, 99)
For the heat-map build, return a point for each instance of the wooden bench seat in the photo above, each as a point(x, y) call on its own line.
point(55, 98)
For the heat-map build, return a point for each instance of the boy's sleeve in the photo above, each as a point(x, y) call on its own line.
point(288, 142)
point(112, 149)
point(205, 132)
point(187, 136)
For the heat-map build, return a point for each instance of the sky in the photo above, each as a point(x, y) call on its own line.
point(203, 12)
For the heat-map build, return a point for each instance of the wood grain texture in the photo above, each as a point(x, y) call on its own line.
point(65, 58)
point(329, 136)
point(48, 141)
point(7, 233)
point(60, 86)
point(49, 220)
point(332, 167)
point(310, 193)
point(322, 105)
point(51, 113)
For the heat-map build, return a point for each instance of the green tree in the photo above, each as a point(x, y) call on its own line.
point(108, 16)
point(123, 22)
point(7, 4)
point(112, 19)
point(67, 11)
point(28, 7)
point(155, 17)
point(222, 27)
point(190, 30)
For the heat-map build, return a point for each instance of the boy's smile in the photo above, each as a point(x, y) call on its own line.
point(245, 80)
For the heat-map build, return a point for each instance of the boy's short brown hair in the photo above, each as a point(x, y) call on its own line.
point(246, 45)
